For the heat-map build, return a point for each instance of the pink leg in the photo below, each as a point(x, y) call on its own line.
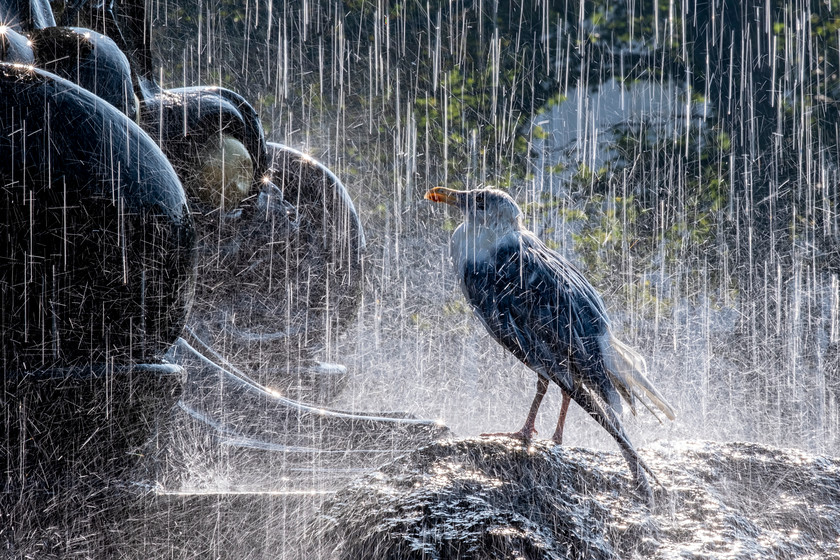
point(564, 408)
point(528, 431)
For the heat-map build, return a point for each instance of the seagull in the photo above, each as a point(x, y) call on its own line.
point(538, 306)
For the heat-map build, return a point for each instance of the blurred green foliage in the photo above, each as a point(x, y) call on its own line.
point(449, 89)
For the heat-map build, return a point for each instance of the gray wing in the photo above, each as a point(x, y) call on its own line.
point(537, 305)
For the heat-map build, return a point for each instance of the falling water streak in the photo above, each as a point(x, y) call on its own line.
point(400, 334)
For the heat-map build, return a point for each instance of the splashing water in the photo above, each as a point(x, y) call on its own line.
point(684, 155)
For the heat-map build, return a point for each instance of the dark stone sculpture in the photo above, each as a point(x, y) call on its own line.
point(98, 247)
point(14, 47)
point(96, 278)
point(275, 228)
point(269, 283)
point(88, 59)
point(26, 15)
point(96, 239)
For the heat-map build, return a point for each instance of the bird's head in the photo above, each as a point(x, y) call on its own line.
point(490, 208)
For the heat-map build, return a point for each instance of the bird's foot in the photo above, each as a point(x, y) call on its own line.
point(525, 434)
point(558, 440)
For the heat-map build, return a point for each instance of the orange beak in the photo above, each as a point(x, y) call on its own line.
point(442, 194)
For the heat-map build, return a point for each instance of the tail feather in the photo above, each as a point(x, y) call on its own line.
point(627, 369)
point(606, 417)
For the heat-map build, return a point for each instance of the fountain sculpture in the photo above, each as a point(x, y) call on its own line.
point(108, 412)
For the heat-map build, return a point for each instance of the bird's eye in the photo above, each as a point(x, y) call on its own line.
point(479, 200)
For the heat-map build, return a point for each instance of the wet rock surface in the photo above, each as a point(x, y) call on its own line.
point(496, 498)
point(468, 499)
